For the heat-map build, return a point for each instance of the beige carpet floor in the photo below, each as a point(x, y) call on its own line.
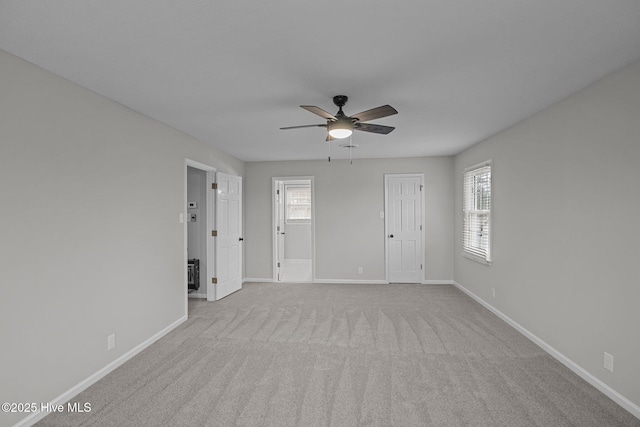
point(343, 355)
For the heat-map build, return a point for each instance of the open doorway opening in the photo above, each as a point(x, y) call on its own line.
point(293, 229)
point(196, 219)
point(199, 250)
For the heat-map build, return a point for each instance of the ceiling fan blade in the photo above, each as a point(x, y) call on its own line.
point(319, 111)
point(375, 113)
point(368, 127)
point(304, 126)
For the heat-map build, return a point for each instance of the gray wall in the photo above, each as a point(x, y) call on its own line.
point(348, 199)
point(90, 194)
point(566, 205)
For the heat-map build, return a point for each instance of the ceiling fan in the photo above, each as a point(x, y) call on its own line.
point(342, 126)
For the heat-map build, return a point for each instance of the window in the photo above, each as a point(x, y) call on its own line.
point(476, 230)
point(297, 200)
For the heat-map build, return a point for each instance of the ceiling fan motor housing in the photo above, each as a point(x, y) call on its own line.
point(340, 100)
point(343, 122)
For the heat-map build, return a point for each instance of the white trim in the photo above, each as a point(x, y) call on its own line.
point(196, 295)
point(98, 375)
point(348, 281)
point(257, 280)
point(579, 370)
point(476, 258)
point(198, 165)
point(488, 162)
point(437, 282)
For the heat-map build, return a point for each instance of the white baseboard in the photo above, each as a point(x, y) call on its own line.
point(370, 282)
point(95, 377)
point(375, 282)
point(257, 280)
point(437, 282)
point(579, 370)
point(196, 295)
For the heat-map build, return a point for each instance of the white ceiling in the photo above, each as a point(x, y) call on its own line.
point(232, 72)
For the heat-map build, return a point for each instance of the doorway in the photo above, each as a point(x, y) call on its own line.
point(293, 229)
point(198, 221)
point(404, 234)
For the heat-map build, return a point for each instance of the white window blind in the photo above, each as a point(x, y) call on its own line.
point(298, 203)
point(476, 231)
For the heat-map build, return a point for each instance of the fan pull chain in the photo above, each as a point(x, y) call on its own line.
point(329, 150)
point(350, 148)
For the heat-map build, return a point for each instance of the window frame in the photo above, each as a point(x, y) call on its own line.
point(477, 170)
point(288, 220)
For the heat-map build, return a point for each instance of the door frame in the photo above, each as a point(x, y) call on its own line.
point(386, 218)
point(209, 265)
point(274, 221)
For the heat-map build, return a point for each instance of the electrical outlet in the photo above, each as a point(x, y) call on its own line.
point(111, 342)
point(359, 270)
point(493, 292)
point(608, 362)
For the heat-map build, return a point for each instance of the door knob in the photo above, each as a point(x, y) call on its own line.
point(391, 236)
point(240, 239)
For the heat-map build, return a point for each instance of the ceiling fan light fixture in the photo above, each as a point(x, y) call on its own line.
point(340, 133)
point(341, 128)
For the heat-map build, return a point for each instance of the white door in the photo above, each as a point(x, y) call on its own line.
point(293, 229)
point(279, 228)
point(229, 238)
point(404, 236)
